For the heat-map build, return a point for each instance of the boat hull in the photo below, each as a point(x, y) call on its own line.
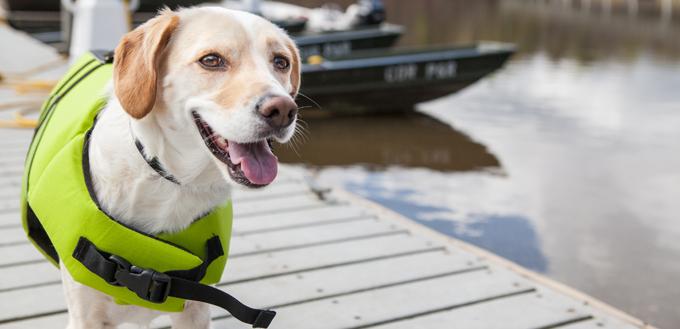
point(343, 43)
point(397, 82)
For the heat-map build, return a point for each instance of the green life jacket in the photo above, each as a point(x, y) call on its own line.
point(62, 217)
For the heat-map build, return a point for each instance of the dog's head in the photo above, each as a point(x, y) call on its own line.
point(230, 77)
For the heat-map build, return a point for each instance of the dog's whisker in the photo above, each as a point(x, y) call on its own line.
point(303, 122)
point(296, 152)
point(303, 130)
point(293, 145)
point(302, 133)
point(296, 141)
point(300, 139)
point(315, 103)
point(298, 131)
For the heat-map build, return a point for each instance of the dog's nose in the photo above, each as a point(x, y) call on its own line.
point(279, 111)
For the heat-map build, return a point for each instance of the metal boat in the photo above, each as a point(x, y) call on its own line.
point(398, 78)
point(343, 43)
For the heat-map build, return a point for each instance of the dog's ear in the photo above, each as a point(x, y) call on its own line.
point(136, 62)
point(294, 68)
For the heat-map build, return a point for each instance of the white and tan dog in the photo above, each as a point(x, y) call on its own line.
point(202, 89)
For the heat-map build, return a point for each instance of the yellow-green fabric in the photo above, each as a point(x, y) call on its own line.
point(54, 189)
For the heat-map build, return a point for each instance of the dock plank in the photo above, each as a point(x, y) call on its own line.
point(56, 321)
point(305, 217)
point(11, 218)
point(9, 204)
point(376, 306)
point(9, 193)
point(306, 236)
point(29, 302)
point(24, 142)
point(344, 280)
point(272, 264)
point(13, 151)
point(292, 203)
point(6, 191)
point(28, 275)
point(515, 312)
point(11, 169)
point(274, 191)
point(12, 236)
point(13, 161)
point(11, 181)
point(599, 323)
point(19, 254)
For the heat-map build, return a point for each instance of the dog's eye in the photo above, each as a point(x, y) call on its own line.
point(211, 61)
point(281, 63)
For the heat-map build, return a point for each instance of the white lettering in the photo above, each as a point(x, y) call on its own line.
point(401, 73)
point(440, 70)
point(337, 49)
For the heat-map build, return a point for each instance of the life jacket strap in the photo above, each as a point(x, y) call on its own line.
point(156, 287)
point(195, 291)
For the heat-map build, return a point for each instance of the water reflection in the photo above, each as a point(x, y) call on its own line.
point(378, 141)
point(584, 128)
point(506, 234)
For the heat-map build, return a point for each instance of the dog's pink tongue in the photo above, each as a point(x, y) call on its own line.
point(257, 161)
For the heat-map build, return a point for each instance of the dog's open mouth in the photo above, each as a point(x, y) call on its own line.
point(250, 164)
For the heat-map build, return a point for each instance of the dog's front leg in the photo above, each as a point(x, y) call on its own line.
point(196, 315)
point(88, 308)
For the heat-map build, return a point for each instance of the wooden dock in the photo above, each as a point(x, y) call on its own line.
point(331, 262)
point(322, 261)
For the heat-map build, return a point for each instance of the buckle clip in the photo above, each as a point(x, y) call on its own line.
point(147, 283)
point(264, 319)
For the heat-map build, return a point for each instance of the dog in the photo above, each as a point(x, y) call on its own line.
point(204, 90)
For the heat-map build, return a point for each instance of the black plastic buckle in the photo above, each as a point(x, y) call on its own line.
point(264, 319)
point(147, 283)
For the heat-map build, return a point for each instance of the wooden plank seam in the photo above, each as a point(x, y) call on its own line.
point(321, 243)
point(284, 210)
point(365, 260)
point(311, 224)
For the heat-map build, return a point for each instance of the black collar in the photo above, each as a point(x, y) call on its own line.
point(154, 163)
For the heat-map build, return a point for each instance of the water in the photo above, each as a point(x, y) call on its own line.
point(566, 161)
